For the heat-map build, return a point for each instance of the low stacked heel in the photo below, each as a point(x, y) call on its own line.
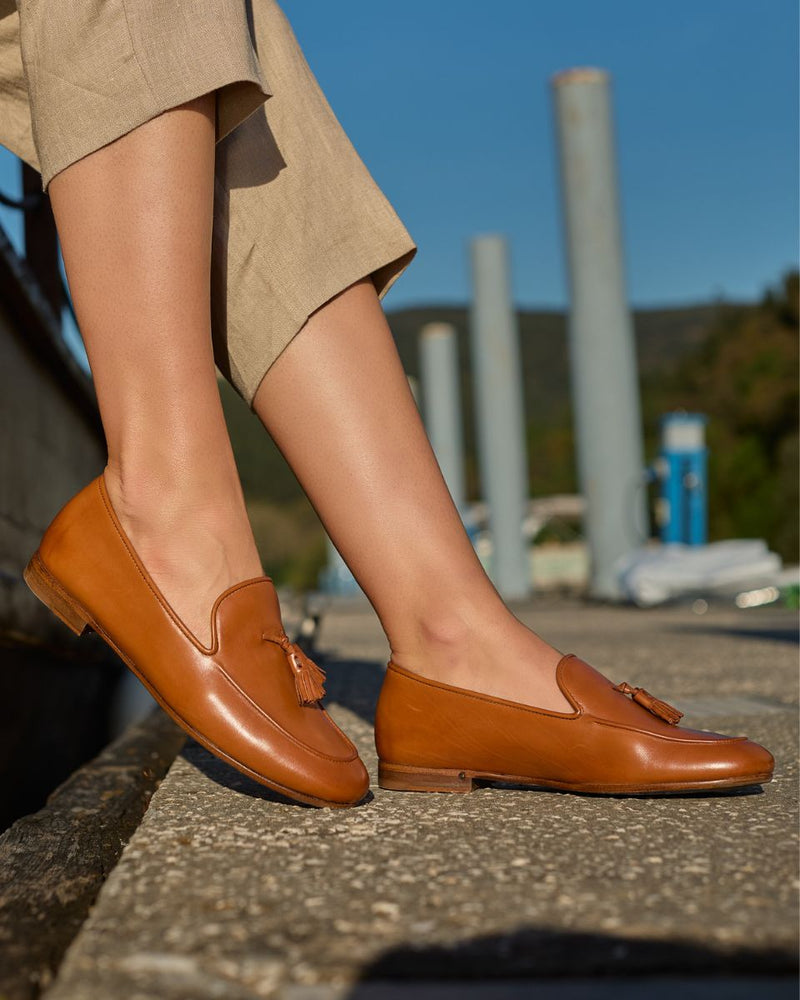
point(403, 778)
point(51, 594)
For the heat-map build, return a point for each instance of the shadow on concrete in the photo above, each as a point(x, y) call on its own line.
point(54, 862)
point(53, 718)
point(354, 684)
point(227, 776)
point(535, 954)
point(787, 634)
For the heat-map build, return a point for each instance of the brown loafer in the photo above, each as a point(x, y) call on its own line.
point(252, 698)
point(619, 740)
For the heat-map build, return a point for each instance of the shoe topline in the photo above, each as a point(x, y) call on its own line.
point(252, 697)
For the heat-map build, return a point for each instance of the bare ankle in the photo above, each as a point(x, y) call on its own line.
point(194, 542)
point(483, 648)
point(446, 636)
point(155, 496)
point(188, 522)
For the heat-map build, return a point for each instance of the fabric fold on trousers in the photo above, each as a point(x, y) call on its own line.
point(297, 215)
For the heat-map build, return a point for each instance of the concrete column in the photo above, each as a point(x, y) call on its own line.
point(498, 406)
point(602, 349)
point(438, 348)
point(336, 577)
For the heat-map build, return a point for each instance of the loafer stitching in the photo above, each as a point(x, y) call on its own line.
point(144, 575)
point(478, 696)
point(665, 736)
point(353, 750)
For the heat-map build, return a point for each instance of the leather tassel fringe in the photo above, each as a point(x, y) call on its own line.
point(653, 705)
point(308, 677)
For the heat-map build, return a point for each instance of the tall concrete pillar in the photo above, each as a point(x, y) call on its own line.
point(602, 349)
point(441, 395)
point(497, 374)
point(336, 577)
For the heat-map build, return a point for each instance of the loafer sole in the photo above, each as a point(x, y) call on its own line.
point(405, 778)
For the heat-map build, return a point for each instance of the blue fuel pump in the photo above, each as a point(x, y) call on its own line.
point(682, 471)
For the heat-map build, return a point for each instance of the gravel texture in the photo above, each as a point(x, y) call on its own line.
point(227, 891)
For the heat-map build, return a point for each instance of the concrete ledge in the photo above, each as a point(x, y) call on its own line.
point(226, 891)
point(53, 717)
point(52, 437)
point(576, 989)
point(53, 863)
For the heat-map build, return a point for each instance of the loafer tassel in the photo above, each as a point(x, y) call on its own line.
point(308, 677)
point(653, 705)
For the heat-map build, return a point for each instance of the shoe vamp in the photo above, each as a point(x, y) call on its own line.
point(582, 750)
point(596, 696)
point(258, 672)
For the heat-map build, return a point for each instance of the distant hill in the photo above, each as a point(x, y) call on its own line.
point(744, 377)
point(664, 337)
point(672, 344)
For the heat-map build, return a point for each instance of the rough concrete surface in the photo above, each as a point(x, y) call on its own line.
point(53, 862)
point(226, 891)
point(52, 437)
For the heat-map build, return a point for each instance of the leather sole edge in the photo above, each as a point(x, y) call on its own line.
point(406, 778)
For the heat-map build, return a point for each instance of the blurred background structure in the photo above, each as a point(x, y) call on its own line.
point(609, 377)
point(605, 392)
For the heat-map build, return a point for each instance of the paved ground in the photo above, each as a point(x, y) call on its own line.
point(54, 862)
point(225, 891)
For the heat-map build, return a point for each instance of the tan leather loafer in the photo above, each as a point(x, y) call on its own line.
point(252, 698)
point(432, 737)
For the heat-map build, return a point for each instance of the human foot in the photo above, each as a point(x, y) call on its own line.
point(253, 700)
point(195, 541)
point(617, 740)
point(484, 649)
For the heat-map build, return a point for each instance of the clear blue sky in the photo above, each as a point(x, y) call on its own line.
point(448, 102)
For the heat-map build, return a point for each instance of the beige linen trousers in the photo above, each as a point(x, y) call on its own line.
point(297, 215)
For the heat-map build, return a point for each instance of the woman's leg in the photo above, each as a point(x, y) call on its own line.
point(134, 219)
point(337, 403)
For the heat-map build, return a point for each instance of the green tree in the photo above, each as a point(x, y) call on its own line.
point(745, 378)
